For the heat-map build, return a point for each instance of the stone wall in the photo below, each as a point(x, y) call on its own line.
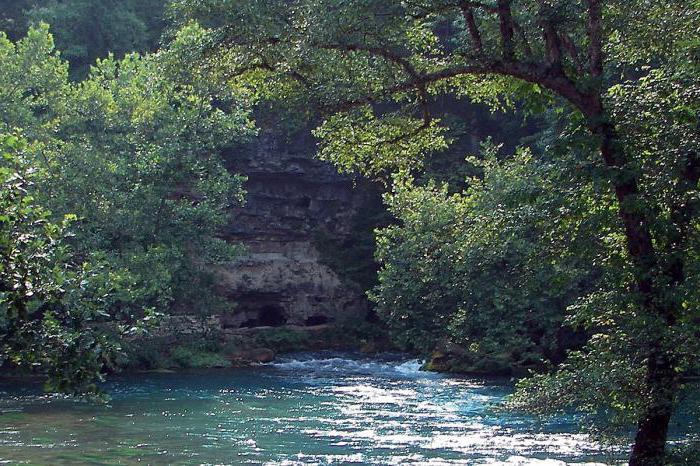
point(291, 198)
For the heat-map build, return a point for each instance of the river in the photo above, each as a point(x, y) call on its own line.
point(313, 408)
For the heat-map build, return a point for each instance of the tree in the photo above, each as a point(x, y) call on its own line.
point(375, 65)
point(51, 306)
point(487, 273)
point(133, 154)
point(13, 19)
point(87, 30)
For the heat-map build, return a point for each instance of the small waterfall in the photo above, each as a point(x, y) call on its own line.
point(411, 367)
point(390, 365)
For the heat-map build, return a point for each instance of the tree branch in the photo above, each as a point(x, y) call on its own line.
point(468, 14)
point(387, 54)
point(432, 10)
point(552, 44)
point(534, 73)
point(595, 37)
point(263, 65)
point(505, 19)
point(523, 37)
point(571, 49)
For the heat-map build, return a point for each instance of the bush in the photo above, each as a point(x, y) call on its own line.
point(283, 339)
point(187, 357)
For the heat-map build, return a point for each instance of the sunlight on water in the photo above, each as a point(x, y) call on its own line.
point(306, 409)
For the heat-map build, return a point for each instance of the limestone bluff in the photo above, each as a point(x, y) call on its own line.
point(291, 199)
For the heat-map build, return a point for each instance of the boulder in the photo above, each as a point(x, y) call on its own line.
point(254, 355)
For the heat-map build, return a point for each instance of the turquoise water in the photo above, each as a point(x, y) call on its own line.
point(317, 408)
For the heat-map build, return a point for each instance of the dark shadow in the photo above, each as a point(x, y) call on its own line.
point(316, 320)
point(268, 316)
point(272, 316)
point(304, 202)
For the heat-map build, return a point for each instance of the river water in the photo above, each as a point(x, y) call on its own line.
point(320, 408)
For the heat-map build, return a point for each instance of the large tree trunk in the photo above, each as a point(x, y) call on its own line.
point(661, 380)
point(650, 442)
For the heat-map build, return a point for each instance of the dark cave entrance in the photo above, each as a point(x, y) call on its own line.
point(268, 316)
point(316, 320)
point(271, 316)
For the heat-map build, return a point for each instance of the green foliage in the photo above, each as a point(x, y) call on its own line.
point(352, 257)
point(33, 80)
point(145, 354)
point(87, 29)
point(162, 353)
point(132, 154)
point(50, 306)
point(196, 356)
point(491, 269)
point(657, 116)
point(13, 20)
point(282, 339)
point(685, 455)
point(374, 145)
point(374, 68)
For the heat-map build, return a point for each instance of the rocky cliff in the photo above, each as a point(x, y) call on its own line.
point(292, 199)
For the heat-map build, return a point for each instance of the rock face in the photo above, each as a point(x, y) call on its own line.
point(255, 355)
point(291, 199)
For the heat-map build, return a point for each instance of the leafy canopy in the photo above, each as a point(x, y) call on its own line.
point(134, 154)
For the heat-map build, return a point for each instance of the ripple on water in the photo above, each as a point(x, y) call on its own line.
point(313, 408)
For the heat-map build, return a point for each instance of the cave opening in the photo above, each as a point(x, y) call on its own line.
point(316, 320)
point(268, 316)
point(272, 316)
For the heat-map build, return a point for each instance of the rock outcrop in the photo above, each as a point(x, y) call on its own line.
point(255, 355)
point(291, 199)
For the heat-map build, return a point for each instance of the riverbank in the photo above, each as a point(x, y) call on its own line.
point(210, 346)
